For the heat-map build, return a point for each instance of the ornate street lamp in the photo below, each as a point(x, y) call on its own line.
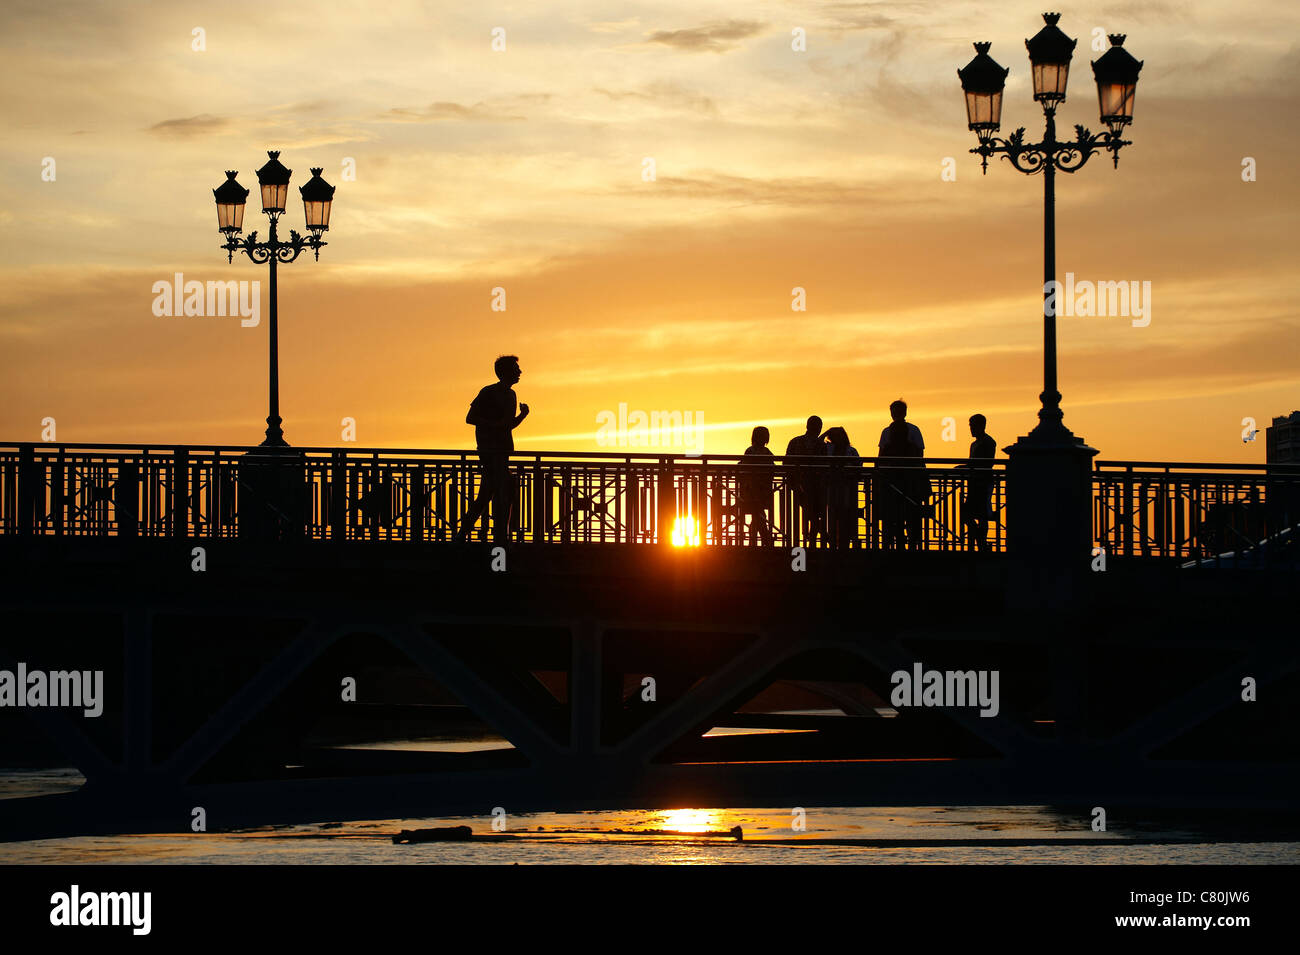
point(231, 197)
point(273, 178)
point(1049, 56)
point(982, 80)
point(1050, 51)
point(317, 196)
point(1117, 75)
point(1048, 475)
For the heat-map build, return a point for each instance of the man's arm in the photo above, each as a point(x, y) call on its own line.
point(506, 418)
point(475, 414)
point(480, 420)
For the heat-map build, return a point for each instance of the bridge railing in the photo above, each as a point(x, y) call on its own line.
point(1153, 509)
point(215, 492)
point(1140, 509)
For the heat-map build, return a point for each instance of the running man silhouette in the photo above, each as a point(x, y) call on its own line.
point(493, 416)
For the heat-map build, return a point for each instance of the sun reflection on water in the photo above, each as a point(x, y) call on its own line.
point(693, 820)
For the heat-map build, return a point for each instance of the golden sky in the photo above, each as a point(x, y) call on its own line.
point(522, 169)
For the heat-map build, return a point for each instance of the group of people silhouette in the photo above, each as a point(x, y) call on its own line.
point(827, 496)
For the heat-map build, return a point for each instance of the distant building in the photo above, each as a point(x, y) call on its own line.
point(1282, 440)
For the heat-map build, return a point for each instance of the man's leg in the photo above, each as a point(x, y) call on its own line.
point(477, 507)
point(502, 500)
point(914, 523)
point(839, 537)
point(984, 515)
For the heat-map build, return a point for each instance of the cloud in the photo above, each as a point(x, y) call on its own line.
point(613, 26)
point(505, 111)
point(304, 106)
point(848, 17)
point(189, 126)
point(798, 192)
point(716, 37)
point(666, 94)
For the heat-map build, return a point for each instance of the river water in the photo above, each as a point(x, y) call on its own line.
point(1001, 835)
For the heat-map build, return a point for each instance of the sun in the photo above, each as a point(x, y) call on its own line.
point(686, 532)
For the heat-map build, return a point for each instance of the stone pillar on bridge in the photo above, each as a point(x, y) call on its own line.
point(1049, 509)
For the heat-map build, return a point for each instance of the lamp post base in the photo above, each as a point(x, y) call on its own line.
point(1049, 511)
point(274, 434)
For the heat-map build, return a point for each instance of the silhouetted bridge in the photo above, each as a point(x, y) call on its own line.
point(225, 676)
point(208, 492)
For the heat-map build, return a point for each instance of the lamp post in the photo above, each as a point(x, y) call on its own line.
point(1050, 467)
point(317, 197)
point(982, 83)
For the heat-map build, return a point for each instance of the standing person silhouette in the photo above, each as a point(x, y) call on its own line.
point(809, 483)
point(758, 468)
point(977, 507)
point(492, 413)
point(905, 493)
point(843, 492)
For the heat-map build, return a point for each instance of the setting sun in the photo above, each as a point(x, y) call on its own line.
point(686, 532)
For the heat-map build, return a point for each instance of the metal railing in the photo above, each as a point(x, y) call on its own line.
point(215, 492)
point(1140, 509)
point(1154, 509)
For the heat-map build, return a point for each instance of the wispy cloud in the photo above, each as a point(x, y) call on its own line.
point(716, 37)
point(670, 95)
point(799, 193)
point(441, 112)
point(189, 126)
point(847, 17)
